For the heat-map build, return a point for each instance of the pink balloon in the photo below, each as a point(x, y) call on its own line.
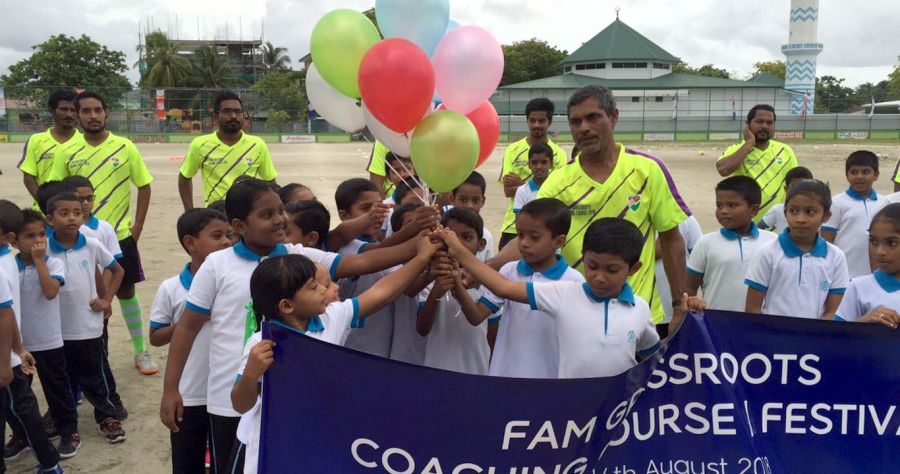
point(487, 123)
point(396, 82)
point(468, 66)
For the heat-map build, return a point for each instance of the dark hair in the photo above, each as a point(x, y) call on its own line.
point(890, 213)
point(76, 181)
point(861, 158)
point(285, 192)
point(60, 96)
point(217, 206)
point(348, 192)
point(391, 157)
point(614, 236)
point(552, 212)
point(193, 222)
point(310, 216)
point(30, 215)
point(465, 217)
point(797, 172)
point(65, 196)
point(540, 149)
point(540, 104)
point(768, 108)
point(240, 198)
point(746, 186)
point(475, 179)
point(400, 212)
point(10, 218)
point(276, 279)
point(601, 94)
point(48, 190)
point(88, 95)
point(812, 187)
point(222, 97)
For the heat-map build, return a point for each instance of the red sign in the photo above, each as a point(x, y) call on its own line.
point(160, 104)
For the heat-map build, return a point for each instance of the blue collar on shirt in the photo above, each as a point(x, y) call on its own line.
point(313, 325)
point(555, 272)
point(886, 281)
point(4, 250)
point(790, 249)
point(732, 235)
point(186, 277)
point(624, 296)
point(367, 239)
point(58, 247)
point(21, 264)
point(533, 186)
point(244, 252)
point(93, 223)
point(873, 196)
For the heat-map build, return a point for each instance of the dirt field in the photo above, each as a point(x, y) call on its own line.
point(322, 167)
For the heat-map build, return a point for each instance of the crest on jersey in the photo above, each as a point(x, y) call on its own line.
point(631, 337)
point(634, 202)
point(114, 161)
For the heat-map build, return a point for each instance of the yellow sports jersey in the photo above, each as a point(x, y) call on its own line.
point(640, 189)
point(219, 164)
point(378, 167)
point(768, 167)
point(112, 167)
point(37, 156)
point(515, 161)
point(897, 172)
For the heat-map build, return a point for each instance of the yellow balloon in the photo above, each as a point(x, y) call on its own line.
point(444, 148)
point(339, 41)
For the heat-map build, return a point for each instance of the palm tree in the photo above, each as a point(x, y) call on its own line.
point(275, 57)
point(211, 69)
point(163, 66)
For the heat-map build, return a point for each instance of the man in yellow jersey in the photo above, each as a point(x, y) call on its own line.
point(37, 156)
point(896, 175)
point(760, 157)
point(514, 171)
point(377, 168)
point(113, 165)
point(224, 155)
point(610, 180)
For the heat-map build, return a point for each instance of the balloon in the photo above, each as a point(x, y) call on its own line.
point(468, 65)
point(444, 150)
point(339, 41)
point(338, 109)
point(423, 22)
point(487, 123)
point(396, 82)
point(398, 143)
point(451, 25)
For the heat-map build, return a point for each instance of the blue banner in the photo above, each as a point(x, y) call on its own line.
point(731, 393)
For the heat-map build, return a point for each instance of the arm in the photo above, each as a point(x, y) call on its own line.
point(7, 325)
point(882, 315)
point(171, 407)
point(674, 261)
point(161, 336)
point(732, 162)
point(828, 235)
point(246, 390)
point(500, 286)
point(390, 287)
point(509, 253)
point(511, 184)
point(693, 284)
point(350, 229)
point(425, 318)
point(30, 184)
point(426, 218)
point(140, 213)
point(755, 301)
point(104, 302)
point(49, 285)
point(376, 260)
point(28, 363)
point(186, 191)
point(378, 180)
point(475, 312)
point(831, 305)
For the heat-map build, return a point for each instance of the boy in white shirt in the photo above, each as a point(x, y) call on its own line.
point(93, 227)
point(719, 261)
point(407, 345)
point(471, 195)
point(540, 162)
point(774, 220)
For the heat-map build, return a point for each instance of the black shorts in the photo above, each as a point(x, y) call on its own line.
point(131, 262)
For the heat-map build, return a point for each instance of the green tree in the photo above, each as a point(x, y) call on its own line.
point(832, 96)
point(775, 68)
point(281, 91)
point(894, 82)
point(275, 57)
point(211, 69)
point(708, 70)
point(163, 66)
point(529, 60)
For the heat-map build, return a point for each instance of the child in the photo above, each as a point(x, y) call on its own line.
point(875, 298)
point(454, 343)
point(220, 294)
point(307, 224)
point(602, 327)
point(406, 344)
point(93, 227)
point(691, 231)
point(405, 192)
point(852, 211)
point(200, 232)
point(800, 274)
point(295, 192)
point(40, 279)
point(398, 170)
point(82, 325)
point(540, 162)
point(293, 292)
point(774, 220)
point(719, 261)
point(471, 195)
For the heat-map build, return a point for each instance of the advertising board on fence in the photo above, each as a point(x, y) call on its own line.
point(852, 135)
point(294, 139)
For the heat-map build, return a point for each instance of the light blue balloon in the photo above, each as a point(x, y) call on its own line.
point(423, 22)
point(451, 25)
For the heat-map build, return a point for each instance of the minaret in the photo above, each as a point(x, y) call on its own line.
point(801, 52)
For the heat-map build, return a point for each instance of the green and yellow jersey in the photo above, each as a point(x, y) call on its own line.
point(515, 161)
point(378, 166)
point(37, 156)
point(220, 164)
point(768, 167)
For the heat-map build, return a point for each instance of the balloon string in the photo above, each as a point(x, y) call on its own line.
point(413, 176)
point(416, 181)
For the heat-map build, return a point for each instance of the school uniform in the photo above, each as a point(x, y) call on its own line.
point(691, 232)
point(851, 215)
point(525, 194)
point(774, 220)
point(868, 292)
point(453, 343)
point(407, 345)
point(104, 232)
point(376, 337)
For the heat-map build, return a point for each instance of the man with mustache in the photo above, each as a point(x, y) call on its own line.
point(37, 157)
point(224, 155)
point(760, 157)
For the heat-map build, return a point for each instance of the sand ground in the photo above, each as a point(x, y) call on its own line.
point(322, 167)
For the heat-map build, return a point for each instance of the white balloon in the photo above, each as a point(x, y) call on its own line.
point(338, 109)
point(398, 143)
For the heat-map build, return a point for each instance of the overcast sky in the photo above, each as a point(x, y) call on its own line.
point(861, 42)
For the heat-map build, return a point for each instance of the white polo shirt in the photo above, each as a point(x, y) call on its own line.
point(375, 338)
point(79, 321)
point(7, 300)
point(525, 194)
point(221, 291)
point(598, 337)
point(774, 220)
point(722, 259)
point(104, 232)
point(851, 215)
point(527, 344)
point(407, 345)
point(41, 325)
point(691, 232)
point(868, 292)
point(168, 306)
point(453, 343)
point(797, 283)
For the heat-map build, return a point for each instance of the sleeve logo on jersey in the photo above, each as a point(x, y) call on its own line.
point(583, 210)
point(632, 337)
point(824, 285)
point(634, 202)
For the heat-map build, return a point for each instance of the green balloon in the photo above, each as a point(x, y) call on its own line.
point(339, 41)
point(444, 148)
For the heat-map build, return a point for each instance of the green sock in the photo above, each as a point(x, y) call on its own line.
point(131, 311)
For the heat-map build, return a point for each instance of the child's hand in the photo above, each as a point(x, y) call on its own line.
point(261, 357)
point(512, 180)
point(29, 365)
point(882, 315)
point(467, 280)
point(38, 250)
point(425, 247)
point(442, 285)
point(441, 265)
point(454, 246)
point(378, 213)
point(100, 304)
point(426, 217)
point(694, 304)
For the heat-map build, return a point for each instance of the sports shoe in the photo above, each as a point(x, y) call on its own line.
point(80, 398)
point(15, 448)
point(145, 364)
point(68, 446)
point(111, 429)
point(57, 469)
point(50, 426)
point(121, 412)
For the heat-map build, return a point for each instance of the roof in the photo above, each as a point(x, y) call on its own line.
point(669, 81)
point(766, 78)
point(619, 41)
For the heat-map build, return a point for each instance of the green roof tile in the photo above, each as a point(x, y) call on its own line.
point(668, 81)
point(619, 41)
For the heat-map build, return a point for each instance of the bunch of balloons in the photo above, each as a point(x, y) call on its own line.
point(393, 85)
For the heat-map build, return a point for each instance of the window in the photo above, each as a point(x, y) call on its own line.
point(635, 99)
point(582, 67)
point(568, 68)
point(659, 98)
point(629, 65)
point(660, 66)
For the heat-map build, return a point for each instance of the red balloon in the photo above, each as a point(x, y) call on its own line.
point(396, 82)
point(487, 122)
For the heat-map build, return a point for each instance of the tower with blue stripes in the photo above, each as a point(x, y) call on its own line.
point(800, 53)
